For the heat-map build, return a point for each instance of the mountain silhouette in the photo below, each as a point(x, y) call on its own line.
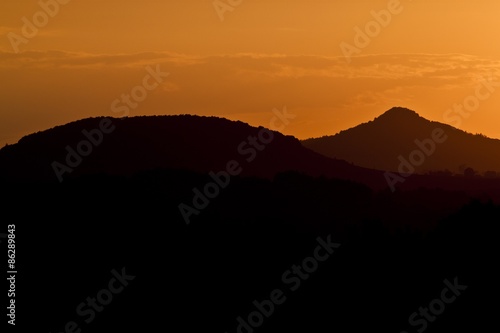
point(209, 144)
point(195, 143)
point(379, 143)
point(119, 209)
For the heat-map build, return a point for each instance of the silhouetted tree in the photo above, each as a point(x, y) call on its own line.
point(469, 172)
point(490, 174)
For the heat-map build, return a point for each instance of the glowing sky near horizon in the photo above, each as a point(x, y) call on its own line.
point(266, 54)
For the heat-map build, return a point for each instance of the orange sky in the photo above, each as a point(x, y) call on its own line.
point(265, 54)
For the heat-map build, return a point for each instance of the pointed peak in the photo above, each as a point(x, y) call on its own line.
point(399, 113)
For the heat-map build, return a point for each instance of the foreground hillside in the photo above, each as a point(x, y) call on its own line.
point(394, 250)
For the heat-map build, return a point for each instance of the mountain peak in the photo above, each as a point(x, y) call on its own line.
point(399, 116)
point(400, 133)
point(400, 112)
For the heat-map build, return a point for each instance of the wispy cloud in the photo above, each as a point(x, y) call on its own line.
point(387, 67)
point(326, 92)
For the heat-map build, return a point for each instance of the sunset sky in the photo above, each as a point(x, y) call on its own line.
point(264, 54)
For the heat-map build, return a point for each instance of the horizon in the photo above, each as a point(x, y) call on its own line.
point(237, 120)
point(334, 65)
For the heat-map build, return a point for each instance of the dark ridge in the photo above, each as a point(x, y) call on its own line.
point(379, 143)
point(199, 144)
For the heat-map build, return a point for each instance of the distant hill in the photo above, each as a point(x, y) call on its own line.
point(378, 144)
point(203, 145)
point(200, 144)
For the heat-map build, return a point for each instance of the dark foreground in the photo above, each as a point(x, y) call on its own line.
point(300, 254)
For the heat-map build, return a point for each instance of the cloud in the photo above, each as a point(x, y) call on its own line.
point(62, 59)
point(5, 30)
point(45, 32)
point(54, 87)
point(387, 67)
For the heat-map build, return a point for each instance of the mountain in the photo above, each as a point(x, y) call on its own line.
point(125, 211)
point(202, 144)
point(95, 147)
point(401, 134)
point(117, 217)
